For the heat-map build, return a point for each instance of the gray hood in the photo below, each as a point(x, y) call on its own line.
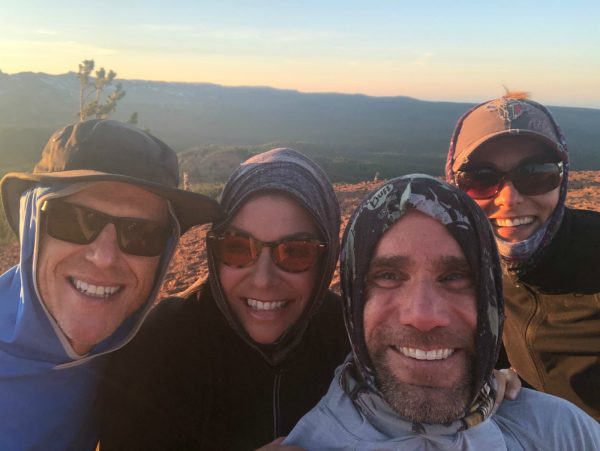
point(290, 172)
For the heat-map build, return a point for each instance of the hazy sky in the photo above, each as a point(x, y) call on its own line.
point(434, 50)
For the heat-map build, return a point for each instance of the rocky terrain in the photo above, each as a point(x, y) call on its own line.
point(189, 265)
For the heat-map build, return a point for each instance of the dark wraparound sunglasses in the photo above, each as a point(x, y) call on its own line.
point(82, 225)
point(530, 179)
point(239, 250)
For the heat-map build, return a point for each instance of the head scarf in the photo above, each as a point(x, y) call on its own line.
point(465, 221)
point(519, 258)
point(289, 172)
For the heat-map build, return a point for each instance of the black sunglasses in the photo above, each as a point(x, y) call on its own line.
point(530, 179)
point(239, 250)
point(82, 225)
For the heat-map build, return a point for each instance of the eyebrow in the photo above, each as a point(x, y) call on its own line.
point(453, 262)
point(396, 261)
point(299, 235)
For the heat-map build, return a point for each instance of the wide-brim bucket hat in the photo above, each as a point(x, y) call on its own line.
point(102, 150)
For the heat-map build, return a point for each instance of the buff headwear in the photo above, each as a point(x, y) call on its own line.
point(465, 221)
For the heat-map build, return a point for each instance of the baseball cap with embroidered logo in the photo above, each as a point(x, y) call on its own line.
point(504, 116)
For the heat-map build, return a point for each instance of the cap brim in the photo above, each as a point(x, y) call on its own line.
point(464, 155)
point(190, 208)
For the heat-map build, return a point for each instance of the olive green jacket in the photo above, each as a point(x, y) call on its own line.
point(552, 328)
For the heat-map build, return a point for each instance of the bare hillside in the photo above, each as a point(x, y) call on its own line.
point(189, 264)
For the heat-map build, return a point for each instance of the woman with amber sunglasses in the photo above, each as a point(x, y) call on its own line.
point(510, 156)
point(239, 361)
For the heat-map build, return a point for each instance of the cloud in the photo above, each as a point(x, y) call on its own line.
point(47, 32)
point(53, 47)
point(423, 59)
point(282, 35)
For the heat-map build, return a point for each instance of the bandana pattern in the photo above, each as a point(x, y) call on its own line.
point(465, 221)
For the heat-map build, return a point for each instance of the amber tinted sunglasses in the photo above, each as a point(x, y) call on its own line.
point(239, 250)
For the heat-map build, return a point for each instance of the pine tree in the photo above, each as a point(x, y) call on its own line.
point(104, 102)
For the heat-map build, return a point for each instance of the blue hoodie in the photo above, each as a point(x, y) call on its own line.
point(47, 390)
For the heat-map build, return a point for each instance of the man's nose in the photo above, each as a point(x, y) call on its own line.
point(424, 307)
point(104, 251)
point(508, 195)
point(264, 270)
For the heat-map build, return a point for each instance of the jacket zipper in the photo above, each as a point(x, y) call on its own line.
point(276, 408)
point(530, 334)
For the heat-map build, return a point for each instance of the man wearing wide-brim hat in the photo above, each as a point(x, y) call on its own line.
point(98, 220)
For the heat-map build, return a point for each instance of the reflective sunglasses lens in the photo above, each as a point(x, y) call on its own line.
point(72, 223)
point(297, 255)
point(535, 179)
point(234, 250)
point(80, 225)
point(481, 184)
point(142, 238)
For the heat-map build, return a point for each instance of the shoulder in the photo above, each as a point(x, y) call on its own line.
point(174, 311)
point(330, 423)
point(572, 263)
point(327, 327)
point(172, 324)
point(540, 421)
point(583, 224)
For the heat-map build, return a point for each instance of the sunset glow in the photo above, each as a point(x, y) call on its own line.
point(459, 51)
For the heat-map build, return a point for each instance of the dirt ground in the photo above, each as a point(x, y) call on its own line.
point(189, 262)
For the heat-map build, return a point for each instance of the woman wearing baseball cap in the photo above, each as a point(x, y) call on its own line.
point(510, 156)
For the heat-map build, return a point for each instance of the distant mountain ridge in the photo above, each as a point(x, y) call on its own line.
point(389, 135)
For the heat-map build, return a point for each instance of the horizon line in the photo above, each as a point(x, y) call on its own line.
point(469, 101)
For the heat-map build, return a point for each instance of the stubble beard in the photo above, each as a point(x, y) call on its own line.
point(422, 403)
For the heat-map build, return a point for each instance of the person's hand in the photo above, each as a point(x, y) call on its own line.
point(509, 386)
point(276, 445)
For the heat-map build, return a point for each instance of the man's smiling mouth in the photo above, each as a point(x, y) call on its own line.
point(420, 354)
point(96, 291)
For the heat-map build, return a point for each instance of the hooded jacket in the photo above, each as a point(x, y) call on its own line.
point(355, 415)
point(194, 379)
point(47, 390)
point(552, 333)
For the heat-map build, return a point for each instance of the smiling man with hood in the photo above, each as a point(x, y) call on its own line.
point(421, 284)
point(98, 221)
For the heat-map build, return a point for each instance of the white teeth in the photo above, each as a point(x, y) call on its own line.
point(265, 305)
point(513, 222)
point(420, 354)
point(97, 291)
